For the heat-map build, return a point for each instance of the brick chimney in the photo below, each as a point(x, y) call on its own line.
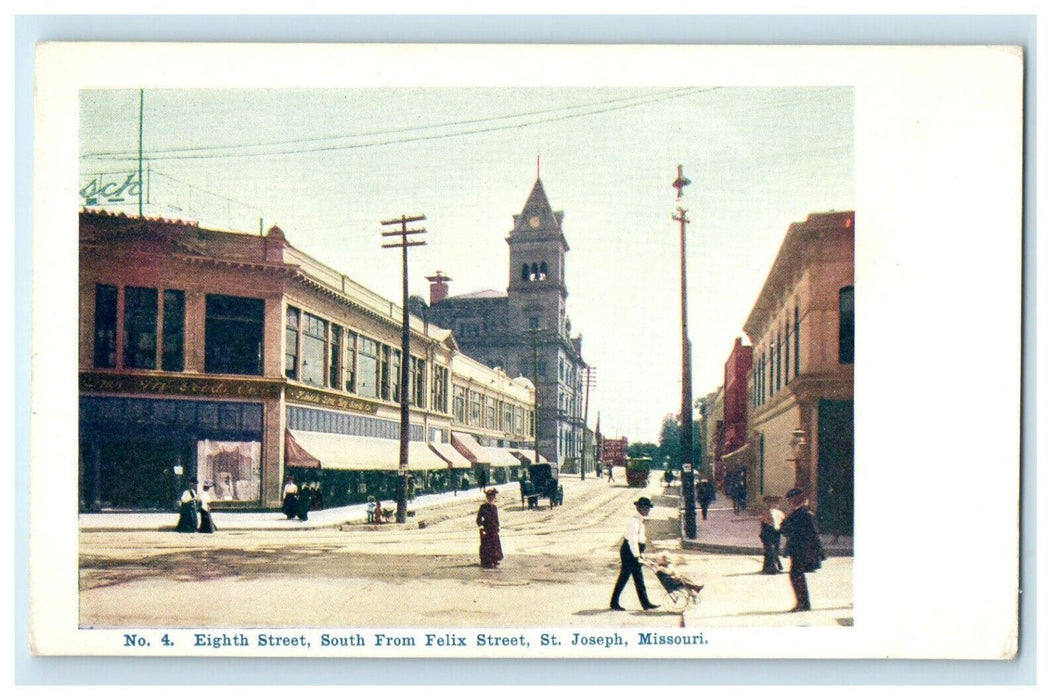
point(439, 288)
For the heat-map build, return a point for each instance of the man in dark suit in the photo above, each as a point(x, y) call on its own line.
point(632, 546)
point(803, 545)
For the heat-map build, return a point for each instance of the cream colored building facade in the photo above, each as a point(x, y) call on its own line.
point(800, 386)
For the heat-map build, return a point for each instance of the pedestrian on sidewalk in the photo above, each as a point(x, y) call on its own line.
point(633, 545)
point(189, 519)
point(803, 545)
point(304, 502)
point(290, 498)
point(707, 494)
point(610, 473)
point(771, 520)
point(206, 524)
point(489, 550)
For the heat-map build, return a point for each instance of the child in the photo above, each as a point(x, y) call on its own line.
point(669, 576)
point(771, 519)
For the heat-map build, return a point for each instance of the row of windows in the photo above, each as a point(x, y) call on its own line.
point(534, 272)
point(234, 332)
point(476, 409)
point(320, 421)
point(775, 372)
point(325, 354)
point(777, 368)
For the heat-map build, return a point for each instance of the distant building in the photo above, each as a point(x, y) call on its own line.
point(711, 427)
point(735, 453)
point(800, 423)
point(525, 331)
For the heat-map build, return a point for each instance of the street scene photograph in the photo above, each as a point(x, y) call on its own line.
point(273, 434)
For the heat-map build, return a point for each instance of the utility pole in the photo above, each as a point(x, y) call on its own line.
point(687, 471)
point(589, 380)
point(406, 342)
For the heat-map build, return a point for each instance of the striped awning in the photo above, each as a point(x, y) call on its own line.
point(451, 455)
point(501, 457)
point(356, 453)
point(525, 454)
point(469, 448)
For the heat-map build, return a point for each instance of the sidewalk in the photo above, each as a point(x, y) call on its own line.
point(275, 520)
point(737, 533)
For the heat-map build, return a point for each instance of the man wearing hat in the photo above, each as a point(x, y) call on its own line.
point(803, 545)
point(633, 545)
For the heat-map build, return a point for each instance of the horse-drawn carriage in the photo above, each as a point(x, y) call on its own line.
point(542, 482)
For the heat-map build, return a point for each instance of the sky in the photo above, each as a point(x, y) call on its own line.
point(327, 166)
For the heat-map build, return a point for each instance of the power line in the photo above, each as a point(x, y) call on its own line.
point(196, 154)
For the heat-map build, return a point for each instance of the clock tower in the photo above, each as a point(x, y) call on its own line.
point(537, 269)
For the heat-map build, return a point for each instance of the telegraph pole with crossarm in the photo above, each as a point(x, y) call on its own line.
point(406, 342)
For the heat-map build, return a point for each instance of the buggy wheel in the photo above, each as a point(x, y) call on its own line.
point(676, 601)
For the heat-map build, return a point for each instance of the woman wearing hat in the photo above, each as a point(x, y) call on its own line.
point(803, 545)
point(489, 551)
point(633, 545)
point(205, 518)
point(189, 518)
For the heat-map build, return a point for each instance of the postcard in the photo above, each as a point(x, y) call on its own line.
point(526, 351)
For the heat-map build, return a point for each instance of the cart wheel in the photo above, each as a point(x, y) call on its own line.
point(676, 601)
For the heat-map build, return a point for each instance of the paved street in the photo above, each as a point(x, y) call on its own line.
point(559, 567)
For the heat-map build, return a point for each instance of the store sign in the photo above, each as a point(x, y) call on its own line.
point(321, 398)
point(201, 386)
point(110, 188)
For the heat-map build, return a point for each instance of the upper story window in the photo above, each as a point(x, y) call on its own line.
point(106, 339)
point(314, 348)
point(235, 335)
point(290, 352)
point(368, 368)
point(349, 371)
point(173, 330)
point(845, 325)
point(439, 395)
point(141, 328)
point(459, 405)
point(797, 343)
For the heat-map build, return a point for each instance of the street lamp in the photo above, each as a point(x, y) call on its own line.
point(685, 403)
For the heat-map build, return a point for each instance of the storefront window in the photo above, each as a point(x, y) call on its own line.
point(334, 360)
point(385, 385)
point(233, 467)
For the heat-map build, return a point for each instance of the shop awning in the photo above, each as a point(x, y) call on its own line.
point(469, 448)
point(526, 454)
point(451, 455)
point(295, 456)
point(355, 453)
point(501, 457)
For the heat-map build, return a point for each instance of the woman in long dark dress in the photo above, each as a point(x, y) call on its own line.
point(489, 551)
point(206, 523)
point(189, 506)
point(290, 498)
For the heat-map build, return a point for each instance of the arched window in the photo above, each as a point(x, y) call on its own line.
point(525, 272)
point(534, 273)
point(544, 271)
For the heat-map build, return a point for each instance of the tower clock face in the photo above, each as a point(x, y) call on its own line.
point(535, 221)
